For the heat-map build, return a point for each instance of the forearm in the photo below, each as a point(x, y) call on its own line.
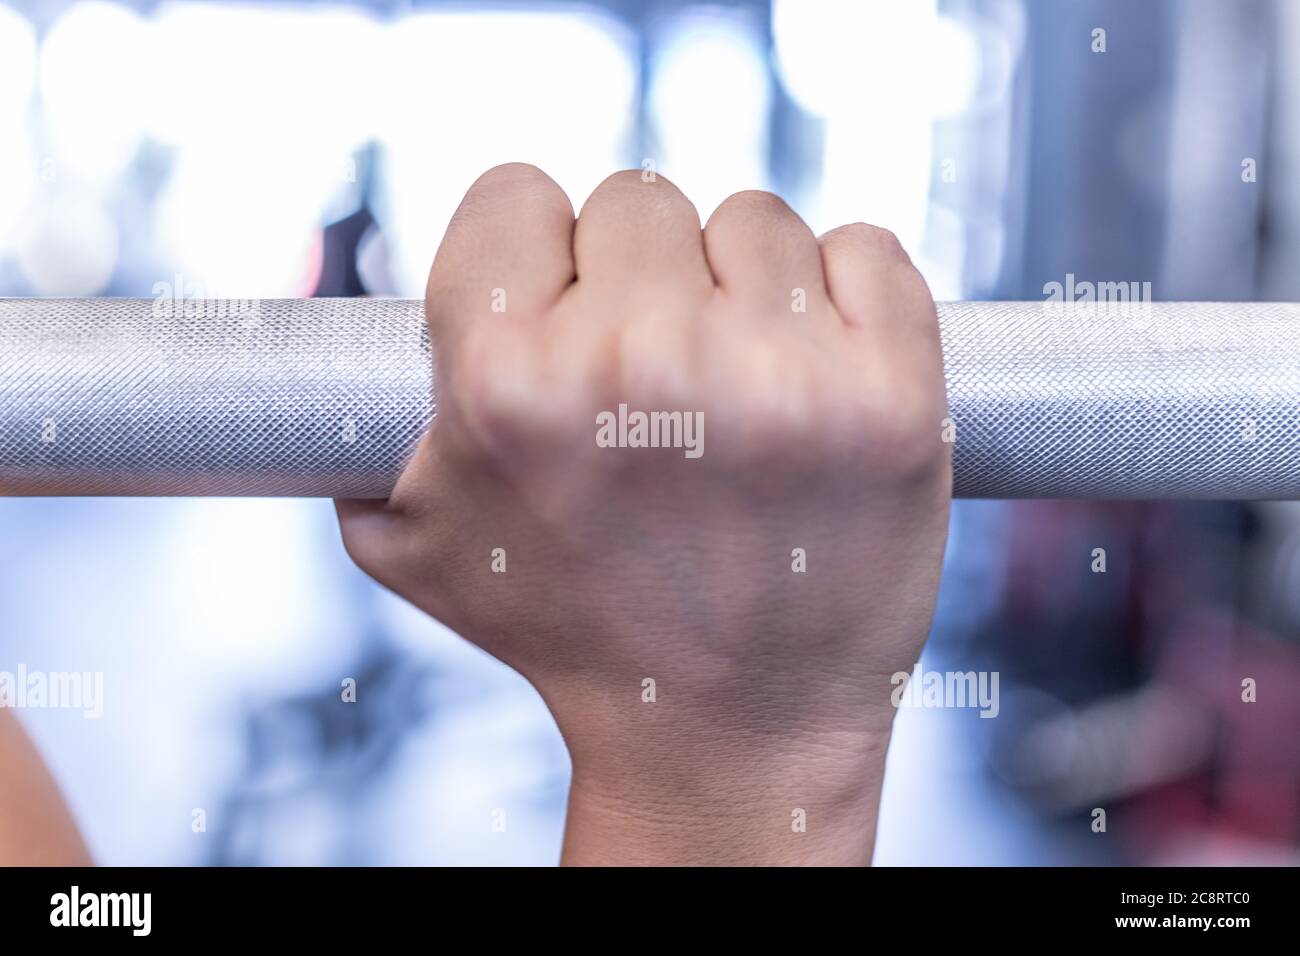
point(36, 828)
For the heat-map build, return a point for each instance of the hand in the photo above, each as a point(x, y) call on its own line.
point(809, 379)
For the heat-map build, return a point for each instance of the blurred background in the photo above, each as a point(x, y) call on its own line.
point(293, 149)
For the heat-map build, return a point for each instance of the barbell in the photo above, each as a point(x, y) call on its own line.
point(328, 397)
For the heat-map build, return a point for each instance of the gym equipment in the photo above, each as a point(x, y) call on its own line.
point(328, 397)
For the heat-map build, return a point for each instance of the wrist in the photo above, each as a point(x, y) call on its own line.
point(698, 798)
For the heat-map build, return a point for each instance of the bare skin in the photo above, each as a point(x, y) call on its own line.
point(36, 828)
point(765, 740)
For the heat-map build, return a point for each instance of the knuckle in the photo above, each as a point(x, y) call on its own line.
point(759, 223)
point(644, 369)
point(904, 427)
point(878, 426)
point(865, 239)
point(489, 400)
point(626, 192)
point(624, 178)
point(513, 178)
point(770, 408)
point(753, 204)
point(509, 187)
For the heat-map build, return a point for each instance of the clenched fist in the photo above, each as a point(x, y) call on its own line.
point(691, 483)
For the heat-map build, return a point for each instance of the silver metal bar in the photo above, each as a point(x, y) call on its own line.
point(328, 397)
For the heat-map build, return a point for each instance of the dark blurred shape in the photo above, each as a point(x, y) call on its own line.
point(340, 273)
point(314, 746)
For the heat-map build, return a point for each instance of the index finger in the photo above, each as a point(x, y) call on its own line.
point(507, 252)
